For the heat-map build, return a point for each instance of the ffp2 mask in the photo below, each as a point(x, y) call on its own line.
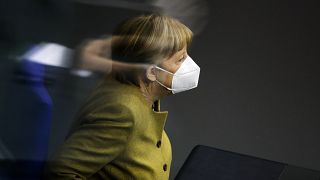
point(185, 78)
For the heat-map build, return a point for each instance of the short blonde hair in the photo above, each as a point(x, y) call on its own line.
point(149, 39)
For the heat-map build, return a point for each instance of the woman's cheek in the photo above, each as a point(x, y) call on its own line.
point(169, 80)
point(169, 77)
point(165, 78)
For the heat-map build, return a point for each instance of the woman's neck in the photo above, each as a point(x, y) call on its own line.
point(149, 92)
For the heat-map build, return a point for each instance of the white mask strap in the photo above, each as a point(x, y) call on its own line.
point(163, 70)
point(164, 85)
point(170, 89)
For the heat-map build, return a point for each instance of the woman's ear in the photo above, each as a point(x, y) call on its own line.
point(151, 73)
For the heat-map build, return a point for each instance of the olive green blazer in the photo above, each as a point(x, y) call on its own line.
point(116, 136)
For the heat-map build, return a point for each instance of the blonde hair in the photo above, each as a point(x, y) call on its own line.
point(148, 39)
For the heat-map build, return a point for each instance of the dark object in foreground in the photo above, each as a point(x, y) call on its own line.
point(210, 163)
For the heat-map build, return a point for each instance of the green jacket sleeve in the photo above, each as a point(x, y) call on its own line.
point(100, 138)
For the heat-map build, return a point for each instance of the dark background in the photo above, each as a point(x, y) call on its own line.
point(259, 86)
point(258, 91)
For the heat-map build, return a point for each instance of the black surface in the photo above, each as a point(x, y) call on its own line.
point(211, 163)
point(298, 173)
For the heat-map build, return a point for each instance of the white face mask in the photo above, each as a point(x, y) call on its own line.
point(186, 77)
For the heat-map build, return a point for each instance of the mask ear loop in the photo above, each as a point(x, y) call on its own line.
point(163, 70)
point(170, 89)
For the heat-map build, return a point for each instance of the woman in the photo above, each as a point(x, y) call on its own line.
point(119, 132)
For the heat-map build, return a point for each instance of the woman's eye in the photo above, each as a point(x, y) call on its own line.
point(180, 60)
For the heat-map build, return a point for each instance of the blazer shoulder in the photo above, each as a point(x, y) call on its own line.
point(112, 99)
